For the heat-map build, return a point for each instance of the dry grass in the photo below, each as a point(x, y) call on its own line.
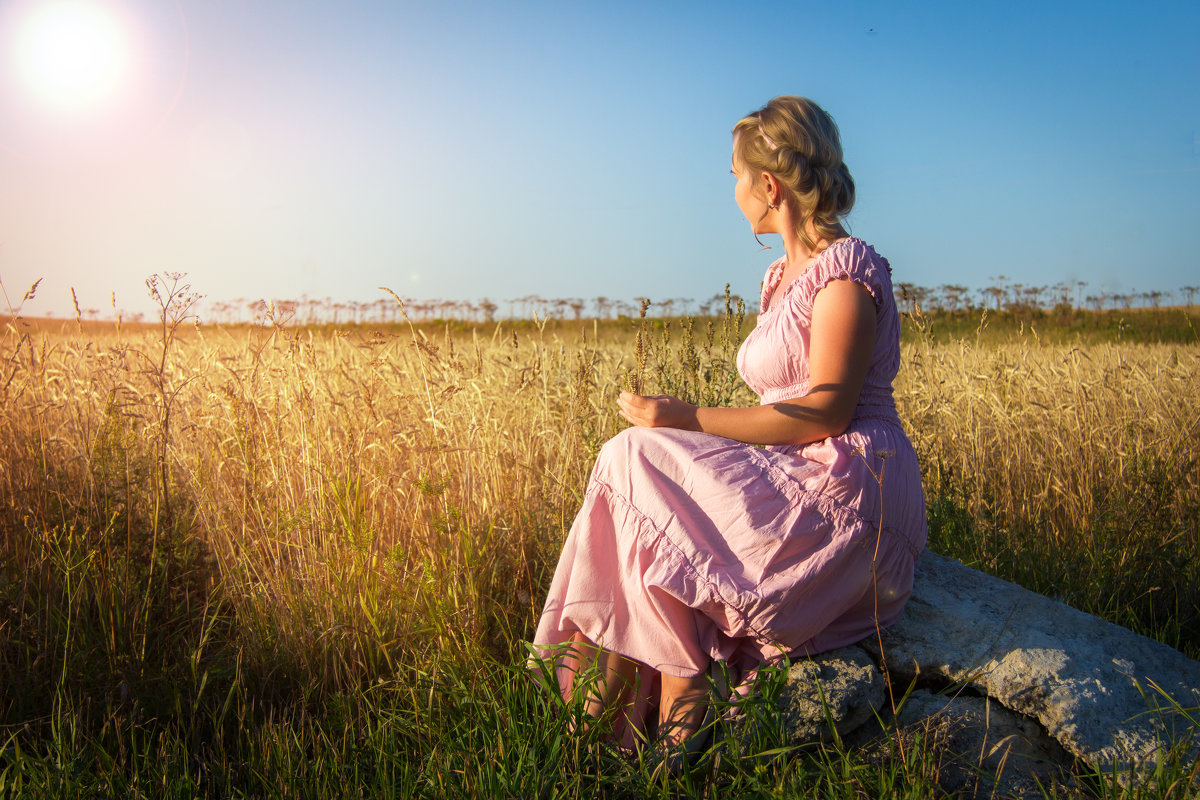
point(1043, 432)
point(353, 488)
point(317, 466)
point(343, 485)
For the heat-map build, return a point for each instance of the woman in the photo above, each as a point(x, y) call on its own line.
point(693, 546)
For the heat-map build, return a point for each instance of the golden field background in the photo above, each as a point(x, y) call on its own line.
point(347, 487)
point(330, 533)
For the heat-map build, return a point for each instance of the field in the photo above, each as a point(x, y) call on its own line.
point(281, 561)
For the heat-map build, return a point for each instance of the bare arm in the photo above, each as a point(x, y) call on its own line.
point(841, 344)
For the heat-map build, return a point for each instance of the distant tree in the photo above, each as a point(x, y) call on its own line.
point(995, 294)
point(311, 309)
point(1062, 293)
point(257, 309)
point(954, 295)
point(997, 291)
point(1015, 292)
point(282, 311)
point(713, 305)
point(489, 309)
point(921, 296)
point(1031, 296)
point(1189, 292)
point(520, 306)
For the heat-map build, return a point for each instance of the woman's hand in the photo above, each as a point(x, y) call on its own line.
point(658, 411)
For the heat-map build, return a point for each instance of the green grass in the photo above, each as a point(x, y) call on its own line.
point(170, 703)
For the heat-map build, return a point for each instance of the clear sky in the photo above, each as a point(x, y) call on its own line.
point(459, 150)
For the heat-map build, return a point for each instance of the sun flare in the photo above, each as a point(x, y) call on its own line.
point(71, 54)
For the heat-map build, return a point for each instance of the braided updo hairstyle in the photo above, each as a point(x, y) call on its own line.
point(795, 140)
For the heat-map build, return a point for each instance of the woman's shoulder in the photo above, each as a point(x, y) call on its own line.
point(850, 259)
point(853, 254)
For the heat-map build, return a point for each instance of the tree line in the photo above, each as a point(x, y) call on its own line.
point(1003, 295)
point(1000, 295)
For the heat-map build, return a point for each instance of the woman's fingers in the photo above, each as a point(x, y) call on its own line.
point(630, 405)
point(656, 411)
point(636, 408)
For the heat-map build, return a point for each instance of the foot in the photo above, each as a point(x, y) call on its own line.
point(684, 710)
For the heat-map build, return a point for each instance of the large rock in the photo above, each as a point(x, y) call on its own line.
point(1098, 689)
point(1110, 698)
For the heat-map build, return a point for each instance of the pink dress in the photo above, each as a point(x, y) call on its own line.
point(691, 547)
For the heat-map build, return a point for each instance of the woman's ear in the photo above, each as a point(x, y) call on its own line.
point(771, 186)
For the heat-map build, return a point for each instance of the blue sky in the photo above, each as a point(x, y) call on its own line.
point(462, 150)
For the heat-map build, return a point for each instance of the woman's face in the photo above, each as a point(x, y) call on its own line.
point(751, 200)
point(749, 194)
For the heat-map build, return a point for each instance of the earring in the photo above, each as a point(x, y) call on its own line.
point(760, 242)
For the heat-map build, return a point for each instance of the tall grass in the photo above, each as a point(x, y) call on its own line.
point(1072, 470)
point(279, 561)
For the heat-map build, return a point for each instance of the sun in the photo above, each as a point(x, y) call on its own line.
point(71, 55)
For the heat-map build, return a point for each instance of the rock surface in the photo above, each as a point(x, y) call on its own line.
point(1090, 684)
point(987, 750)
point(843, 686)
point(1098, 690)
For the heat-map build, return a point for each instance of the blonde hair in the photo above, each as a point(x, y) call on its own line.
point(795, 140)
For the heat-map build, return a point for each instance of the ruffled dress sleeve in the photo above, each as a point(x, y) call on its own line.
point(848, 259)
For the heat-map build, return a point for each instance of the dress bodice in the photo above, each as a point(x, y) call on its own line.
point(774, 358)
